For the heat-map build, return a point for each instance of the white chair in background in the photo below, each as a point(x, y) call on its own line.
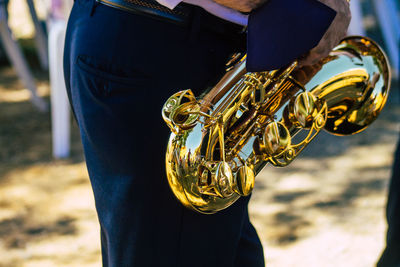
point(60, 111)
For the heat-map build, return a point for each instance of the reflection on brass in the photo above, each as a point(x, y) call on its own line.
point(276, 138)
point(304, 109)
point(244, 181)
point(220, 142)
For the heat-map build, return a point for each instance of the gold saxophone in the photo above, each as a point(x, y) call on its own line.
point(219, 143)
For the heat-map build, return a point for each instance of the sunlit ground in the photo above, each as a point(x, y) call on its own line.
point(325, 209)
point(47, 213)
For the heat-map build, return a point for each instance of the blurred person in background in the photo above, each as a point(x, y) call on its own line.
point(122, 60)
point(391, 255)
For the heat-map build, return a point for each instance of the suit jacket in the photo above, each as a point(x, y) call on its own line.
point(298, 26)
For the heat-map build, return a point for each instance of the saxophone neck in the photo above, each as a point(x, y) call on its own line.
point(230, 78)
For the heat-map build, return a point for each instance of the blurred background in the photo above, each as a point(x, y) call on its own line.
point(326, 209)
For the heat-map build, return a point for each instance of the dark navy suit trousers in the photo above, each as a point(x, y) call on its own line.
point(120, 68)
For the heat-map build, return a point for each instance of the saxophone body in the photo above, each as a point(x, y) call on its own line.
point(221, 141)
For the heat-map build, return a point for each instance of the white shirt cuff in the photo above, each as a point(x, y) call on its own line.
point(171, 4)
point(221, 11)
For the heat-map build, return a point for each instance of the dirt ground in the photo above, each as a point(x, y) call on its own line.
point(325, 209)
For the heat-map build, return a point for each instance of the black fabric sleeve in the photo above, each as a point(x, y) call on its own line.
point(282, 30)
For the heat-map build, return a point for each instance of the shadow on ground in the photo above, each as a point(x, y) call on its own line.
point(337, 185)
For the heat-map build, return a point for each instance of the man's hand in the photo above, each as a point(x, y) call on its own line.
point(333, 35)
point(241, 5)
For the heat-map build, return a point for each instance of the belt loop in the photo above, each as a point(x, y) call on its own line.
point(94, 5)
